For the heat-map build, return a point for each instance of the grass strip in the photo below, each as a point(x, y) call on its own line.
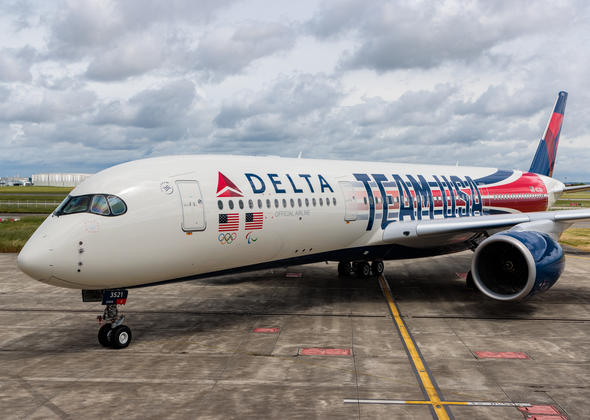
point(13, 235)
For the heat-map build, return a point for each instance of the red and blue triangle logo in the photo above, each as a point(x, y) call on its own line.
point(226, 188)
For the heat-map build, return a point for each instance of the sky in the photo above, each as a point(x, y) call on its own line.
point(85, 85)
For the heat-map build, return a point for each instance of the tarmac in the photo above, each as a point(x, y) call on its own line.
point(300, 342)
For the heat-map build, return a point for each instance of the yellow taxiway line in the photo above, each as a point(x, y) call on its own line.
point(427, 383)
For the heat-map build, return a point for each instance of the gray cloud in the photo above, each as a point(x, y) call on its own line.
point(290, 98)
point(87, 85)
point(133, 56)
point(218, 56)
point(80, 27)
point(151, 108)
point(402, 35)
point(15, 65)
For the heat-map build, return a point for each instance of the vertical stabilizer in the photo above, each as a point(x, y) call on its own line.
point(544, 159)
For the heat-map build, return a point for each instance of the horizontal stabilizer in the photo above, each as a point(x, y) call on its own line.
point(577, 188)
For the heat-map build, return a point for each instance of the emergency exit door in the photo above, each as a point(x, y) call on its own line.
point(193, 209)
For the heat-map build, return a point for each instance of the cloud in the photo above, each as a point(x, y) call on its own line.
point(46, 105)
point(401, 35)
point(15, 64)
point(82, 28)
point(133, 56)
point(151, 108)
point(219, 55)
point(290, 98)
point(87, 85)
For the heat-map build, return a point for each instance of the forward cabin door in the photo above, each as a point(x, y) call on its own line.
point(193, 209)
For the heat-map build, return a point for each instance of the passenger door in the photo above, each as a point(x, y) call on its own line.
point(350, 204)
point(193, 209)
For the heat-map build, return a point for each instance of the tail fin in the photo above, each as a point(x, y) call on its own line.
point(544, 159)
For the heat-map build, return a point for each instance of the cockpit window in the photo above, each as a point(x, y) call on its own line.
point(117, 205)
point(76, 205)
point(99, 205)
point(102, 204)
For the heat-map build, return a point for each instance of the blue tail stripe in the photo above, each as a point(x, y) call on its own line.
point(560, 105)
point(540, 163)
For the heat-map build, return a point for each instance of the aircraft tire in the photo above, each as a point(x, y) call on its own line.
point(377, 268)
point(121, 337)
point(104, 335)
point(344, 268)
point(363, 270)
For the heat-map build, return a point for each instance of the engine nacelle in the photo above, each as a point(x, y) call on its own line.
point(514, 265)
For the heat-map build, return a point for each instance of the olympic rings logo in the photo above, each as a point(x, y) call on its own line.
point(227, 238)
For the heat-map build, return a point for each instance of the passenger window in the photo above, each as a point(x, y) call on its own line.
point(327, 201)
point(117, 205)
point(334, 200)
point(365, 200)
point(321, 201)
point(267, 203)
point(299, 202)
point(292, 203)
point(306, 202)
point(276, 203)
point(231, 204)
point(99, 205)
point(76, 205)
point(259, 203)
point(284, 203)
point(220, 204)
point(313, 201)
point(250, 204)
point(241, 203)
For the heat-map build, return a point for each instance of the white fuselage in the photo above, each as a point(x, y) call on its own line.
point(180, 222)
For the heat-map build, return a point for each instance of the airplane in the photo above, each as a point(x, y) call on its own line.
point(179, 218)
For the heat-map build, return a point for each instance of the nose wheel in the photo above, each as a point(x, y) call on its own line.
point(117, 337)
point(113, 333)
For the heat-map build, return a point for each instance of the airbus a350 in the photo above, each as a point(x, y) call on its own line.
point(178, 218)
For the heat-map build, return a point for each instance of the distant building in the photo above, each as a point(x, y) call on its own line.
point(12, 181)
point(59, 179)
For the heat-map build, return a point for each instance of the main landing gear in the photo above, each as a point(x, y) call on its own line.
point(361, 268)
point(112, 333)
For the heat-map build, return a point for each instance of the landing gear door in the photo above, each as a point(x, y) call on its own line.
point(350, 203)
point(193, 209)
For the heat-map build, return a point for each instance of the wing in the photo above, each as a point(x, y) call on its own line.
point(432, 231)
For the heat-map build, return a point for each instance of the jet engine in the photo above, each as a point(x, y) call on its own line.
point(514, 265)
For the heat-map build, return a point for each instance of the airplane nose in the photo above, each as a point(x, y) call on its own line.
point(36, 261)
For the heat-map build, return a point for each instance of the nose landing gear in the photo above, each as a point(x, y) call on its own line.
point(112, 333)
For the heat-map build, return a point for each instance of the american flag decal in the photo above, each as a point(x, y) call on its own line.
point(229, 222)
point(254, 220)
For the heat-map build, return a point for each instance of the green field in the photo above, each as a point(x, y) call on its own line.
point(36, 190)
point(578, 238)
point(13, 235)
point(569, 203)
point(574, 196)
point(31, 199)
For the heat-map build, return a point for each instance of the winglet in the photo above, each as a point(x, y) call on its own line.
point(544, 159)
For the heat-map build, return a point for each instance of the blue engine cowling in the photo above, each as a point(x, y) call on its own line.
point(514, 265)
